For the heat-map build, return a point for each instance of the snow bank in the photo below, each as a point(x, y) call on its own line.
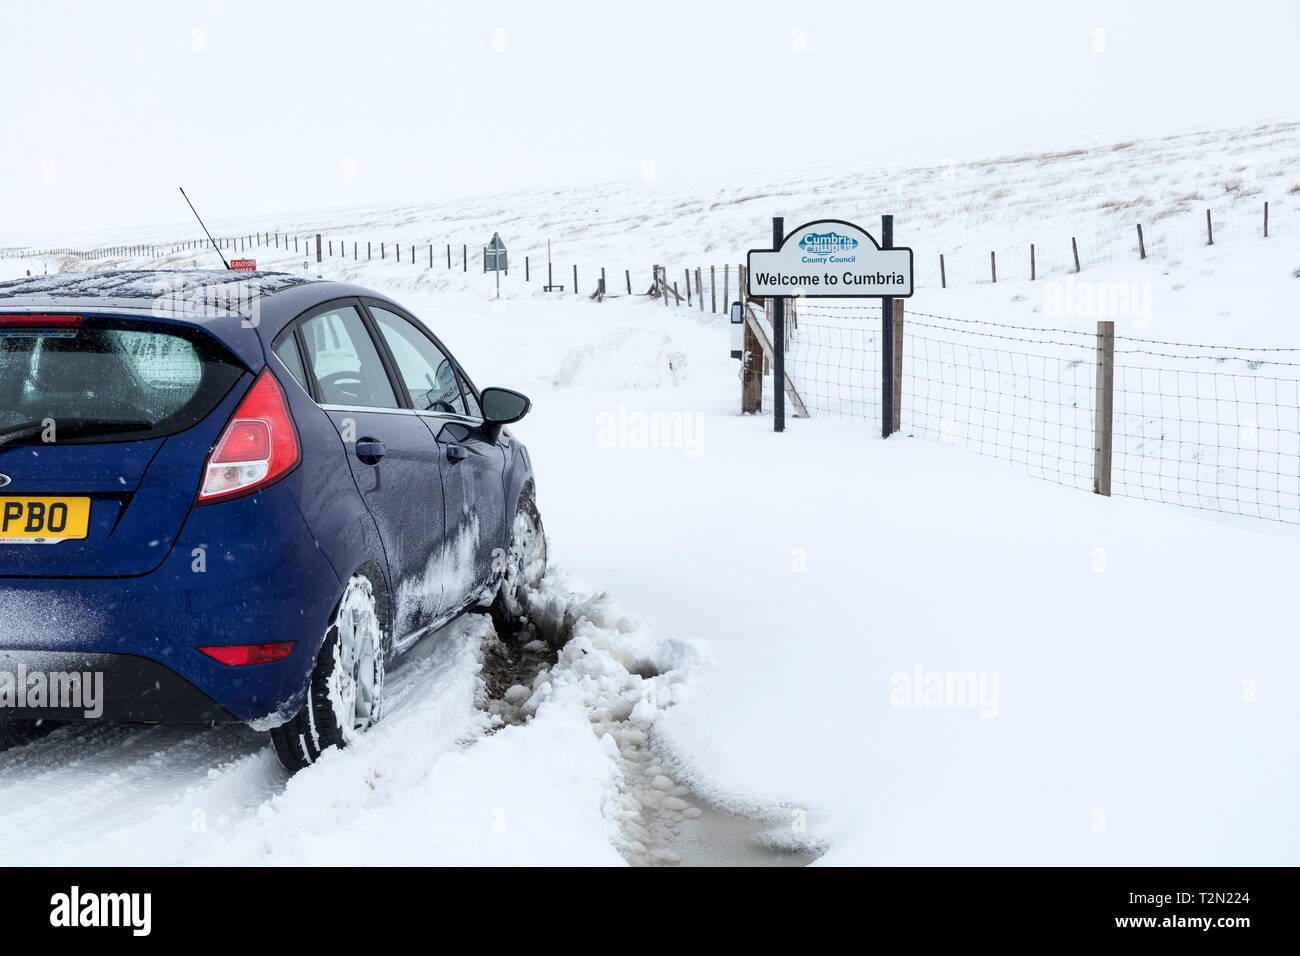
point(627, 358)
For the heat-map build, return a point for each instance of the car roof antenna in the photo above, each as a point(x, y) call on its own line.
point(205, 229)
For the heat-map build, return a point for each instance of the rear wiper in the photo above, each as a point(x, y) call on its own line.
point(69, 427)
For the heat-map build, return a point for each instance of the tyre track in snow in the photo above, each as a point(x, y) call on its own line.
point(136, 794)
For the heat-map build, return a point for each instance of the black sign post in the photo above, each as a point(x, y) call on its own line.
point(886, 341)
point(778, 335)
point(495, 260)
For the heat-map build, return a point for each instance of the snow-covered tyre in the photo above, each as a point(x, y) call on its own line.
point(525, 562)
point(347, 685)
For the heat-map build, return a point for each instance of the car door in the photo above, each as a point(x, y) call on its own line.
point(473, 468)
point(395, 465)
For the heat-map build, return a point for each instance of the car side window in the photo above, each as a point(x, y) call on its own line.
point(424, 368)
point(286, 349)
point(470, 401)
point(345, 362)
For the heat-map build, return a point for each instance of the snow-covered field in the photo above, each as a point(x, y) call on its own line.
point(890, 651)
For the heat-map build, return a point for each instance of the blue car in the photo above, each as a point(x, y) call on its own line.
point(234, 496)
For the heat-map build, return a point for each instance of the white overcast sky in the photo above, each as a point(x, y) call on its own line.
point(270, 106)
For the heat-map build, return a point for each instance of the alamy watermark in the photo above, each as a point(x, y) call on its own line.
point(77, 908)
point(176, 297)
point(1073, 298)
point(44, 690)
point(971, 690)
point(623, 428)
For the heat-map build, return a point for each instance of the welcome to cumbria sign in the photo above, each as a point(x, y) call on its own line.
point(830, 258)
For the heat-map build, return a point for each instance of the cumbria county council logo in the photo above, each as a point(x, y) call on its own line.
point(827, 243)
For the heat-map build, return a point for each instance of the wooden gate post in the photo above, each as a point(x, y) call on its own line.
point(751, 378)
point(1105, 406)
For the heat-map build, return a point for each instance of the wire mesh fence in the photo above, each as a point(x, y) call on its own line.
point(1215, 428)
point(1219, 430)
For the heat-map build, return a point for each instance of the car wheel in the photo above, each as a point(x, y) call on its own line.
point(347, 685)
point(525, 562)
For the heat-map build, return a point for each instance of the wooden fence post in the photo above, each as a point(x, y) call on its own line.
point(1105, 406)
point(751, 363)
point(1075, 246)
point(575, 279)
point(1209, 228)
point(627, 274)
point(943, 274)
point(993, 264)
point(898, 365)
point(726, 286)
point(688, 287)
point(699, 288)
point(1142, 246)
point(1265, 220)
point(661, 275)
point(713, 286)
point(527, 271)
point(1033, 265)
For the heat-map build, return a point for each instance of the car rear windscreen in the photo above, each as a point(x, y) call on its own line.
point(108, 380)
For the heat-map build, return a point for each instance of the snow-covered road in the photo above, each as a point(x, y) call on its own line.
point(749, 617)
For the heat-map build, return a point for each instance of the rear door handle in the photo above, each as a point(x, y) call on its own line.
point(455, 453)
point(370, 450)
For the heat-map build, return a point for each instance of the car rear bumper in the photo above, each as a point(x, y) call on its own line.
point(68, 685)
point(246, 571)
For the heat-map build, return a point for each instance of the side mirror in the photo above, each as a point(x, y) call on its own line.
point(501, 406)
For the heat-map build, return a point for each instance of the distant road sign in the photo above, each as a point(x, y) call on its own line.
point(494, 259)
point(243, 265)
point(830, 259)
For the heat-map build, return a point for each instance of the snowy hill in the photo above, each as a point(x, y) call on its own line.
point(963, 208)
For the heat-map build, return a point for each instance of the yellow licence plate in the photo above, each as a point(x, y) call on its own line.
point(43, 520)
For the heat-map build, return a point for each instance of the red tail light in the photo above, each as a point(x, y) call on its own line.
point(39, 321)
point(258, 447)
point(241, 655)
